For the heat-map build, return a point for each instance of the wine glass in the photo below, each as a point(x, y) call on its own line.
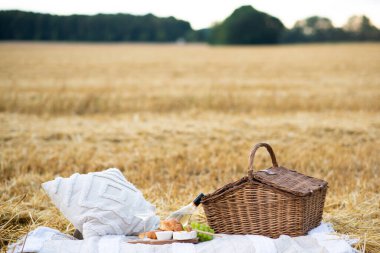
point(144, 216)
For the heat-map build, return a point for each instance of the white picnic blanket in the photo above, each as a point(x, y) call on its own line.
point(322, 239)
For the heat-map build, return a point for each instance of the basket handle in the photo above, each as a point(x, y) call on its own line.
point(252, 156)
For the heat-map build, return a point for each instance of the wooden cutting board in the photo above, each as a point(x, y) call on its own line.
point(161, 242)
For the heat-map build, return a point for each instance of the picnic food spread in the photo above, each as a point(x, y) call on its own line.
point(172, 229)
point(176, 227)
point(171, 225)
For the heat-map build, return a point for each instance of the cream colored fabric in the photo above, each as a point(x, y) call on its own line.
point(101, 203)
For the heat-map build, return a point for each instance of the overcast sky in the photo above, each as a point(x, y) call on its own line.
point(203, 13)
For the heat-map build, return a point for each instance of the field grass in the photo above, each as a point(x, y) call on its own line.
point(179, 120)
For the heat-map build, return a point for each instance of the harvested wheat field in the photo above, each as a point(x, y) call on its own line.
point(179, 120)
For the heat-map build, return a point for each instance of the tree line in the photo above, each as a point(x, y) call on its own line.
point(20, 25)
point(245, 25)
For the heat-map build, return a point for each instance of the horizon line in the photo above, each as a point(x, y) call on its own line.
point(210, 26)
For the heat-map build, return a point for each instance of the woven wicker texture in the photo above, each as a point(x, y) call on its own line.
point(271, 202)
point(289, 181)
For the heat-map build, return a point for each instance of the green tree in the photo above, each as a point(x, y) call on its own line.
point(247, 26)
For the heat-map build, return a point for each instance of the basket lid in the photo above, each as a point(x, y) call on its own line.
point(289, 181)
point(283, 178)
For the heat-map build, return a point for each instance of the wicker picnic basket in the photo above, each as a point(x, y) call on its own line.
point(269, 202)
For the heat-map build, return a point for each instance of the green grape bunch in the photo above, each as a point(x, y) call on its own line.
point(202, 227)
